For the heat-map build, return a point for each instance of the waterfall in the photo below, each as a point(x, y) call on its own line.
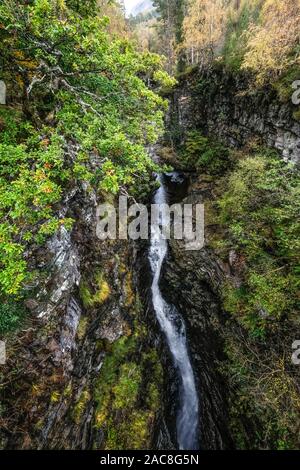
point(173, 327)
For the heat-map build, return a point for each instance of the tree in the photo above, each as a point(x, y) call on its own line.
point(171, 15)
point(115, 11)
point(273, 44)
point(78, 93)
point(203, 29)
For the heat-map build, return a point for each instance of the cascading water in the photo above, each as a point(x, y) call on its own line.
point(173, 327)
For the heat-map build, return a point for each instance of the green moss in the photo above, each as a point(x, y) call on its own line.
point(127, 388)
point(85, 294)
point(82, 327)
point(55, 396)
point(120, 351)
point(127, 393)
point(204, 154)
point(80, 406)
point(103, 289)
point(96, 295)
point(296, 115)
point(133, 434)
point(67, 393)
point(128, 290)
point(39, 424)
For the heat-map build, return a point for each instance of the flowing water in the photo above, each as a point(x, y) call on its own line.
point(173, 327)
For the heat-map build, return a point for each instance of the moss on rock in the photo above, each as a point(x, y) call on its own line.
point(127, 393)
point(80, 406)
point(96, 294)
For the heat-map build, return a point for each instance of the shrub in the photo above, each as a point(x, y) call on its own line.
point(86, 90)
point(204, 154)
point(238, 22)
point(261, 210)
point(11, 315)
point(97, 294)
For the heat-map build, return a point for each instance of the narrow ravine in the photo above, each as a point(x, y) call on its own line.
point(173, 327)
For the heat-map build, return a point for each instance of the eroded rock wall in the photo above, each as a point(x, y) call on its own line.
point(70, 370)
point(226, 105)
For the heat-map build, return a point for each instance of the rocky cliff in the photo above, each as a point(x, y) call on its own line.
point(83, 373)
point(241, 406)
point(191, 281)
point(226, 105)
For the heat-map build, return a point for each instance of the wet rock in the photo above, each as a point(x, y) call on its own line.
point(68, 334)
point(65, 267)
point(31, 304)
point(53, 345)
point(112, 327)
point(58, 362)
point(233, 258)
point(2, 92)
point(263, 314)
point(191, 281)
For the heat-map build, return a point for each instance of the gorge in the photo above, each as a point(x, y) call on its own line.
point(173, 327)
point(119, 343)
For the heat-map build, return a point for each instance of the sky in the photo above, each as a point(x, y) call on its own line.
point(129, 4)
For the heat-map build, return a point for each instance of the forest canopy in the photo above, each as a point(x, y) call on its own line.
point(76, 92)
point(261, 36)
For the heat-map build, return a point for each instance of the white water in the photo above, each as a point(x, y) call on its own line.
point(173, 327)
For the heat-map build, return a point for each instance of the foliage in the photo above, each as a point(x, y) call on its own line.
point(30, 174)
point(142, 17)
point(204, 154)
point(12, 313)
point(203, 28)
point(83, 8)
point(80, 94)
point(127, 393)
point(126, 390)
point(273, 45)
point(239, 19)
point(170, 31)
point(260, 36)
point(261, 210)
point(283, 84)
point(114, 10)
point(264, 401)
point(257, 208)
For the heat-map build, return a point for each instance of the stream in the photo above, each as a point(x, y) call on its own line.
point(173, 327)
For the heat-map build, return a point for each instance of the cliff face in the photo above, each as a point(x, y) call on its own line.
point(235, 411)
point(191, 281)
point(67, 374)
point(86, 371)
point(224, 105)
